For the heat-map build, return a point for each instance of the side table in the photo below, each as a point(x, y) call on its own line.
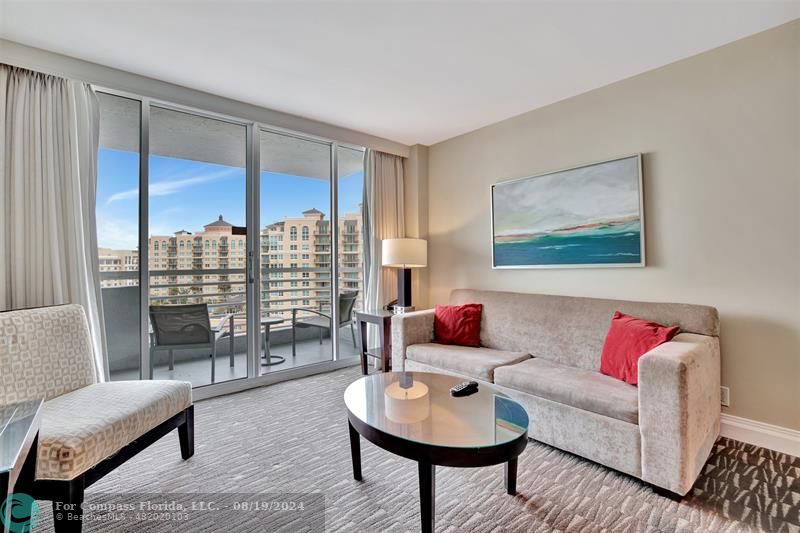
point(382, 319)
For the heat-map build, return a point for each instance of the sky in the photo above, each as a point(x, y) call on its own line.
point(189, 194)
point(593, 193)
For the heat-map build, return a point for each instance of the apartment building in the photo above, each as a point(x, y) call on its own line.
point(296, 261)
point(117, 261)
point(209, 266)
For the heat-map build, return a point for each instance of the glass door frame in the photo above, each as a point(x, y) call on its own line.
point(253, 247)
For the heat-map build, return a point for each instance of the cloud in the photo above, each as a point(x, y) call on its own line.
point(116, 233)
point(168, 187)
point(568, 198)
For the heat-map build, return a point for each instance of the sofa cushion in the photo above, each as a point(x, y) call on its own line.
point(628, 339)
point(582, 389)
point(83, 427)
point(570, 330)
point(474, 362)
point(458, 324)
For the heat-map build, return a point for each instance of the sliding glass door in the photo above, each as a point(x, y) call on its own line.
point(350, 200)
point(117, 213)
point(197, 256)
point(296, 281)
point(228, 251)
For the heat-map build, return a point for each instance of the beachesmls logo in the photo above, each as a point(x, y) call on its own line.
point(19, 513)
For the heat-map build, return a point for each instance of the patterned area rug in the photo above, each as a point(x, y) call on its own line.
point(292, 438)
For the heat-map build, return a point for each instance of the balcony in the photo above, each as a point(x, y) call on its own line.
point(223, 296)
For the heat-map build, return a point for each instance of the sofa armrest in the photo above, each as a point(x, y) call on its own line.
point(679, 409)
point(407, 329)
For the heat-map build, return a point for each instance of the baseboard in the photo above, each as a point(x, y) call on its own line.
point(776, 438)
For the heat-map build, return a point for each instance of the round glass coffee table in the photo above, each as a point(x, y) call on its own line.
point(412, 414)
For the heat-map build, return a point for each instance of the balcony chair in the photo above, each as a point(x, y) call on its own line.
point(87, 428)
point(186, 327)
point(322, 321)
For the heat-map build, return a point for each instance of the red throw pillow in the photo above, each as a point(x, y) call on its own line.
point(627, 340)
point(458, 324)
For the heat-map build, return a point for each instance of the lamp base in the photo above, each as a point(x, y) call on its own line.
point(404, 289)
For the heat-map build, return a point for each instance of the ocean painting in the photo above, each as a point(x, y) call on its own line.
point(585, 216)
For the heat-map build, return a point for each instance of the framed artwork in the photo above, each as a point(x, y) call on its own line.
point(586, 216)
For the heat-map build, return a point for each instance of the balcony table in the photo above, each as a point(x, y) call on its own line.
point(267, 322)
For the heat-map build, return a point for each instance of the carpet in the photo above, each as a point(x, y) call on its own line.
point(289, 441)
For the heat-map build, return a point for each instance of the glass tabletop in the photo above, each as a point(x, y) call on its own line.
point(417, 406)
point(17, 421)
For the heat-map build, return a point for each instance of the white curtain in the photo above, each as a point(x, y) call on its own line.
point(384, 219)
point(48, 241)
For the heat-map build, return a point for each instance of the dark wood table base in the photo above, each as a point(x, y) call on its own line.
point(427, 479)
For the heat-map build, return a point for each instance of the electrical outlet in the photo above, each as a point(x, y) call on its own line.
point(725, 396)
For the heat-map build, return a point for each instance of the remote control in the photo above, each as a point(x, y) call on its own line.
point(464, 389)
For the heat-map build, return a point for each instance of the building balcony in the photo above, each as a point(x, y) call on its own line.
point(195, 367)
point(223, 296)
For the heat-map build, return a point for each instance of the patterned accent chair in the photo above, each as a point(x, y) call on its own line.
point(88, 428)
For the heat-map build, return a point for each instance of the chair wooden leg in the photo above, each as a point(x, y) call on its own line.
point(320, 336)
point(67, 513)
point(353, 335)
point(172, 360)
point(186, 434)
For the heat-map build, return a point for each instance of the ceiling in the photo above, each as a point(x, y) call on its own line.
point(408, 71)
point(188, 136)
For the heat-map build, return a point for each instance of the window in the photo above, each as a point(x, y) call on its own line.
point(351, 192)
point(117, 215)
point(291, 166)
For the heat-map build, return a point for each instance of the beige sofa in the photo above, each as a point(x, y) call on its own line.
point(545, 352)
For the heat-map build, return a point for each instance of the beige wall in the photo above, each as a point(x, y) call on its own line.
point(721, 138)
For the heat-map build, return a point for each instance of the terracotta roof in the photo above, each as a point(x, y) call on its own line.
point(219, 223)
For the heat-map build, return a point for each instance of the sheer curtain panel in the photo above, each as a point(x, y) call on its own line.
point(48, 242)
point(384, 219)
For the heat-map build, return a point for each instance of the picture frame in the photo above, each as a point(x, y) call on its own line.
point(585, 216)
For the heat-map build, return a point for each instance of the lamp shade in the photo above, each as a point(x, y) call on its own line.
point(405, 253)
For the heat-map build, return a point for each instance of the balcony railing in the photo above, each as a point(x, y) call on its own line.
point(226, 293)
